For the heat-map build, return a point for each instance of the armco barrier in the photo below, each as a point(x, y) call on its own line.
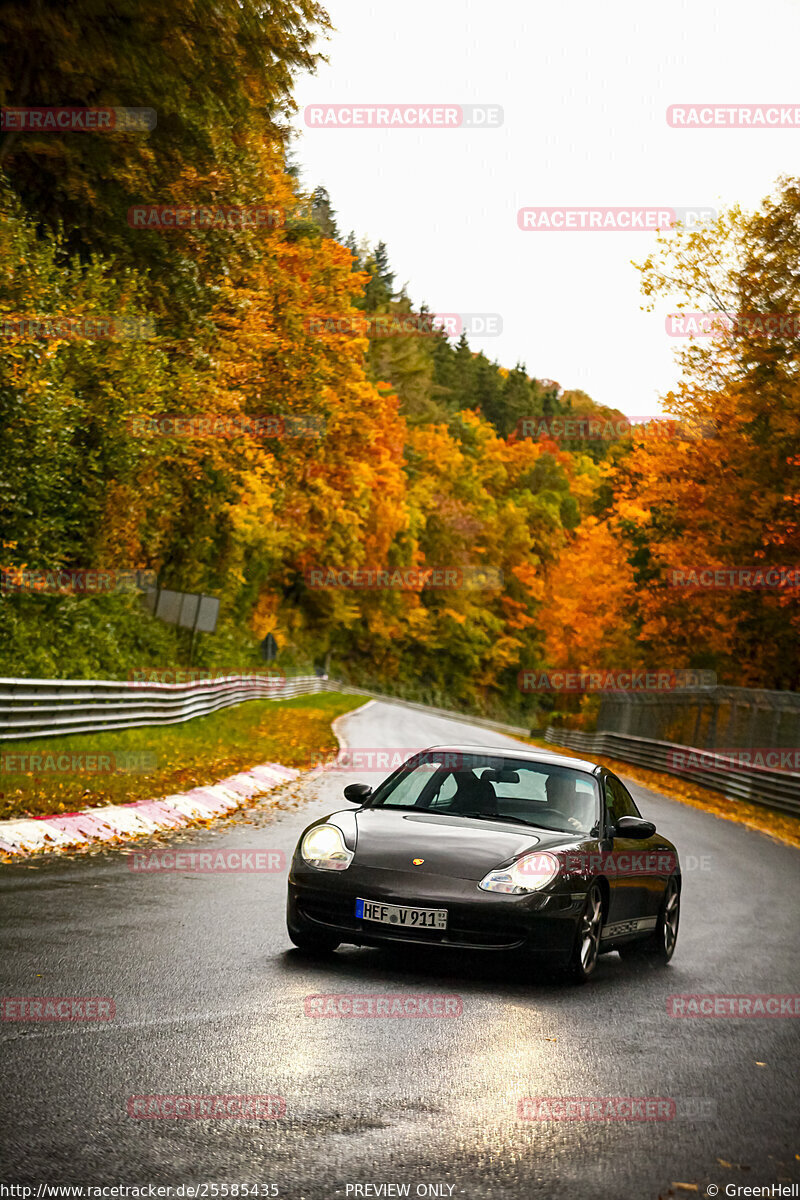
point(31, 708)
point(760, 785)
point(34, 708)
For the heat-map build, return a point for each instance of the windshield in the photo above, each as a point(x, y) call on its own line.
point(494, 787)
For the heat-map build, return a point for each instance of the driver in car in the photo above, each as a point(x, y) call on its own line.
point(564, 797)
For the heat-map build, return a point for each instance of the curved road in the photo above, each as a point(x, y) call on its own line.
point(209, 1000)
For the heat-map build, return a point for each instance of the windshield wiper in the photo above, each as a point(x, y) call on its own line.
point(520, 821)
point(399, 807)
point(494, 817)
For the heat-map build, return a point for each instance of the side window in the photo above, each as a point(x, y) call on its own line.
point(619, 800)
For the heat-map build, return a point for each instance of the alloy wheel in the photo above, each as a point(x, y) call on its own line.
point(590, 932)
point(671, 917)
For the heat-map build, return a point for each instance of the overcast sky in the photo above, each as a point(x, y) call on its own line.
point(584, 88)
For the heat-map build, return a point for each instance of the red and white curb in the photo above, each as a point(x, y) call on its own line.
point(114, 822)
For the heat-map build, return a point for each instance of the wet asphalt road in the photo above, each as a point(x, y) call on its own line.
point(209, 999)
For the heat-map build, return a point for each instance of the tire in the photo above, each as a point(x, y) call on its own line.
point(659, 947)
point(587, 938)
point(312, 943)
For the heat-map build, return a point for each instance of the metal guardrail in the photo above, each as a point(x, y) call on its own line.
point(36, 708)
point(775, 789)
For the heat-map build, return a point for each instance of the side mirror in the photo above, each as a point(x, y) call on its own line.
point(357, 793)
point(634, 827)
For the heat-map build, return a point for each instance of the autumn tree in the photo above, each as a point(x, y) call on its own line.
point(727, 494)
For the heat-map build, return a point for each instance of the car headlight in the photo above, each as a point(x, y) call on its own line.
point(527, 874)
point(324, 847)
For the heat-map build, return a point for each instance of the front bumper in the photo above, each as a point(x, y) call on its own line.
point(538, 923)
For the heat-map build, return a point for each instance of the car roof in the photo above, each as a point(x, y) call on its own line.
point(551, 757)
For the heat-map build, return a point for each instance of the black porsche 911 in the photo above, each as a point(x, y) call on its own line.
point(497, 850)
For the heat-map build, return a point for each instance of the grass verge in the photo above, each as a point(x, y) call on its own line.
point(178, 757)
point(780, 826)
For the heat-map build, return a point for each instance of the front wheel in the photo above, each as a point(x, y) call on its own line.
point(660, 946)
point(587, 938)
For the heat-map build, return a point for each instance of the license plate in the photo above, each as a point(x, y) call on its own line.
point(400, 915)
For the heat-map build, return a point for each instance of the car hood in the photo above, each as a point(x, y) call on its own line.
point(449, 845)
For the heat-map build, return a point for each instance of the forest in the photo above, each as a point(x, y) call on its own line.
point(244, 403)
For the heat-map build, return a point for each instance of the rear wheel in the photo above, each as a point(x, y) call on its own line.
point(660, 946)
point(587, 938)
